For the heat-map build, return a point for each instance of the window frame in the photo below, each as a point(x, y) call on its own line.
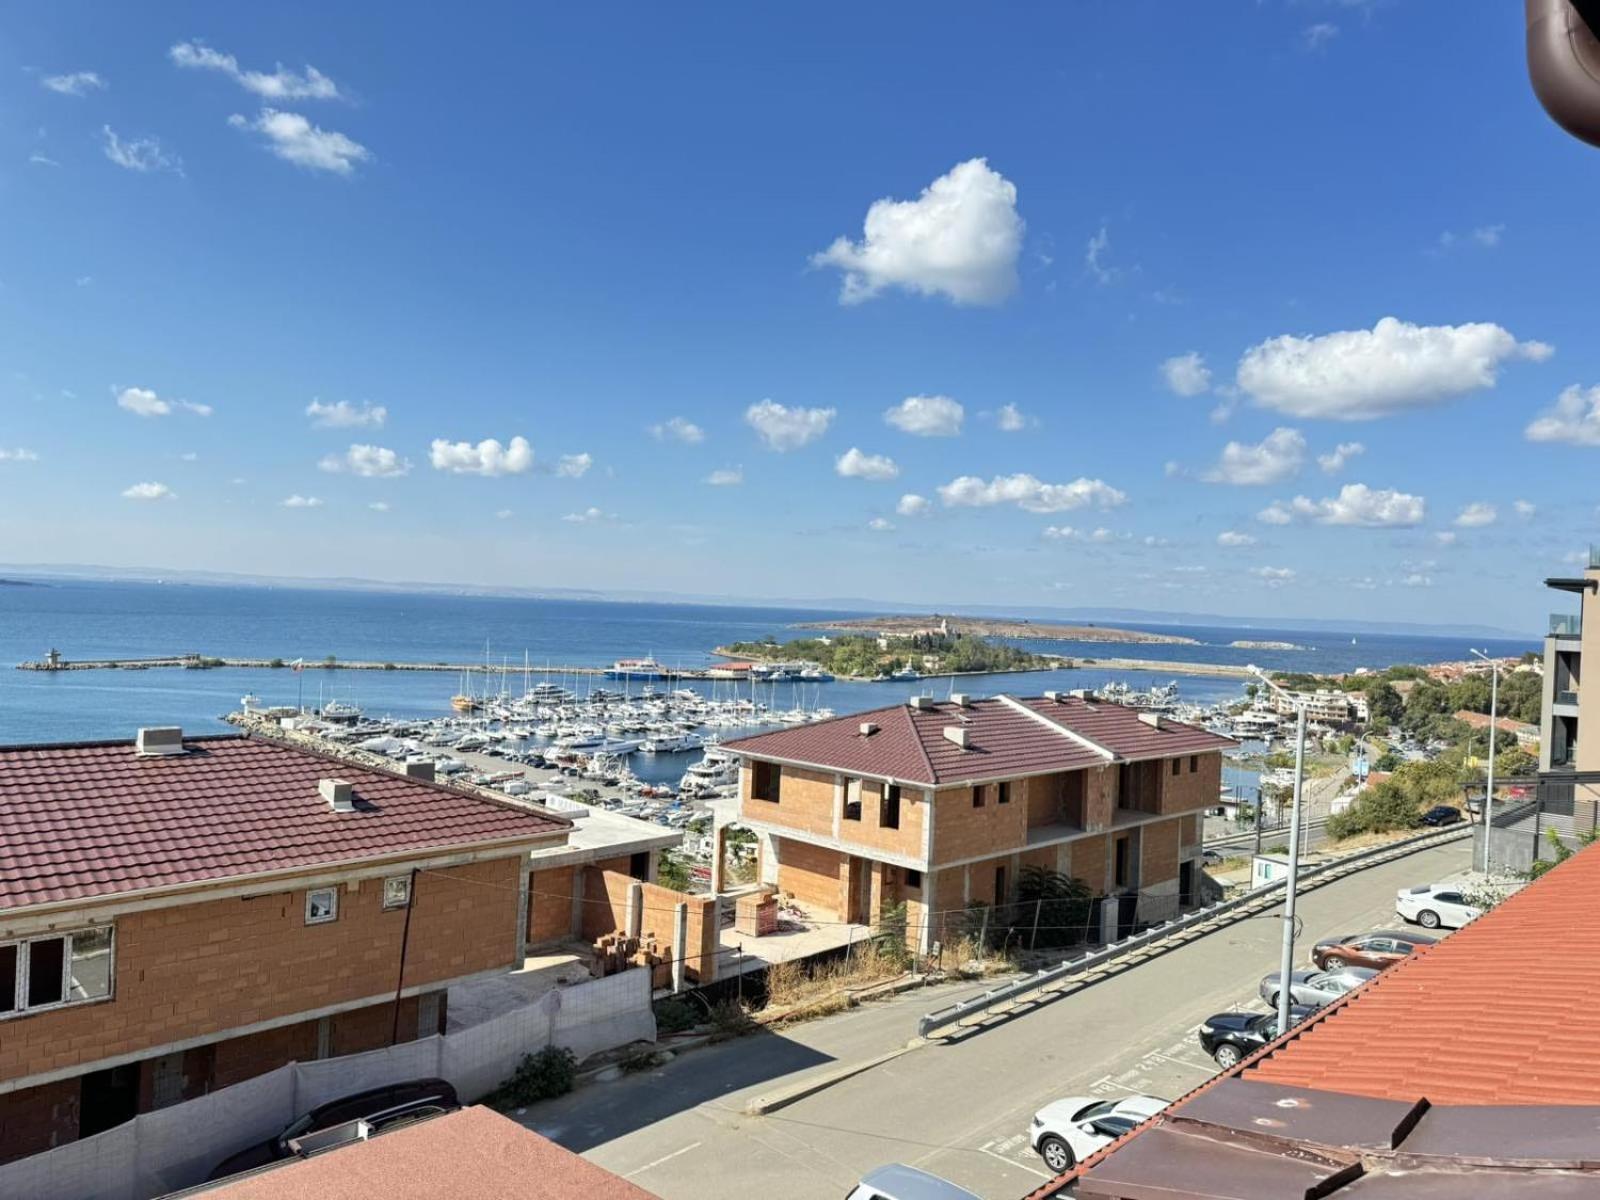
point(852, 800)
point(1194, 763)
point(333, 912)
point(24, 964)
point(773, 774)
point(405, 901)
point(1002, 792)
point(1177, 766)
point(889, 806)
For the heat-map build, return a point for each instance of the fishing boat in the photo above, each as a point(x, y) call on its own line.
point(637, 668)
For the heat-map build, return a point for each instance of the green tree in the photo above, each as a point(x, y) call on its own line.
point(1384, 703)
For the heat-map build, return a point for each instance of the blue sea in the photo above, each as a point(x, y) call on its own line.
point(90, 620)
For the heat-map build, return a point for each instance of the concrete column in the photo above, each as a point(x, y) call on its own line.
point(719, 847)
point(635, 908)
point(680, 943)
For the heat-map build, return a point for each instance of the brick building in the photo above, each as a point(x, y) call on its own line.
point(936, 805)
point(178, 915)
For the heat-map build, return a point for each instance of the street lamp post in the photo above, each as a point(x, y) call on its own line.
point(1488, 792)
point(1286, 965)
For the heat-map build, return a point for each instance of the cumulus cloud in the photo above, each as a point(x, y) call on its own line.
point(959, 239)
point(853, 464)
point(143, 154)
point(1525, 508)
point(149, 491)
point(1010, 419)
point(369, 462)
point(913, 505)
point(1274, 576)
point(783, 428)
point(1066, 533)
point(1277, 457)
point(574, 466)
point(487, 457)
point(1395, 366)
point(344, 415)
point(880, 524)
point(78, 83)
point(1334, 461)
point(1233, 538)
point(927, 416)
point(678, 429)
point(589, 516)
point(1028, 493)
point(299, 501)
point(278, 84)
point(1574, 419)
point(1477, 514)
point(295, 139)
point(142, 402)
point(1187, 374)
point(1356, 504)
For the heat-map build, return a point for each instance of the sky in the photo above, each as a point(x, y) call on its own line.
point(1273, 307)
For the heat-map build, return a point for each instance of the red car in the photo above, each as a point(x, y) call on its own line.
point(1378, 949)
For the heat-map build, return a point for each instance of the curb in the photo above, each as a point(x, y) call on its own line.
point(812, 1084)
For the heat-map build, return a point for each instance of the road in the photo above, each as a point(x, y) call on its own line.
point(958, 1109)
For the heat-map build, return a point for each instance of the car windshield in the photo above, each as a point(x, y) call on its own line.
point(1098, 1109)
point(1115, 1126)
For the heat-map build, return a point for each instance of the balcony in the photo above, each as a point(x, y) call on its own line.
point(1566, 625)
point(1567, 698)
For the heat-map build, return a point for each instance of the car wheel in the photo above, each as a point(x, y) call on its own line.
point(1272, 1001)
point(1333, 963)
point(1428, 919)
point(1057, 1155)
point(1227, 1056)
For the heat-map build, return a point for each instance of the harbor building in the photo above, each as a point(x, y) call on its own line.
point(940, 805)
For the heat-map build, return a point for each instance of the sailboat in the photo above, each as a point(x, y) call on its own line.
point(464, 700)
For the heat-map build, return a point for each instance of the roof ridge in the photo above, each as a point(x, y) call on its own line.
point(108, 743)
point(1028, 711)
point(916, 739)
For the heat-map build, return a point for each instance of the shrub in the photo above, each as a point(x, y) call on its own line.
point(640, 1058)
point(674, 1016)
point(276, 663)
point(1055, 903)
point(550, 1072)
point(730, 1019)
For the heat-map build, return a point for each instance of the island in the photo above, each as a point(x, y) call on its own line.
point(990, 627)
point(1265, 646)
point(877, 656)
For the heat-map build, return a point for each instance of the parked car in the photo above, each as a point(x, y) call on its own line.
point(1231, 1036)
point(1378, 949)
point(1211, 857)
point(900, 1182)
point(1065, 1132)
point(380, 1107)
point(1316, 988)
point(1435, 906)
point(1442, 814)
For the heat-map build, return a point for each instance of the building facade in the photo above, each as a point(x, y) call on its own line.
point(940, 805)
point(1567, 742)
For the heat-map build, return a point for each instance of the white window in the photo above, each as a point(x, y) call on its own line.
point(397, 891)
point(61, 969)
point(322, 906)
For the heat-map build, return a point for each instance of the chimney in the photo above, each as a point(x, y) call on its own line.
point(922, 703)
point(957, 734)
point(157, 741)
point(961, 699)
point(868, 729)
point(1079, 693)
point(1053, 697)
point(339, 793)
point(420, 769)
point(1152, 719)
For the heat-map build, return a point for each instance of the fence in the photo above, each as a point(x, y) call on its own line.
point(177, 1147)
point(1565, 805)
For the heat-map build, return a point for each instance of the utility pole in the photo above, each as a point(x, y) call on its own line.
point(1291, 884)
point(1488, 791)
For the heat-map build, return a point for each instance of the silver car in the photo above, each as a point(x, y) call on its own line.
point(1316, 988)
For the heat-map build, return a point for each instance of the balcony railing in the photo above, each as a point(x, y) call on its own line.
point(1566, 624)
point(1566, 698)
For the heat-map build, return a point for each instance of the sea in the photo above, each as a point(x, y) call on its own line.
point(95, 620)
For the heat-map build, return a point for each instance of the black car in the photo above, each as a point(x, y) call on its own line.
point(1442, 814)
point(1229, 1037)
point(380, 1107)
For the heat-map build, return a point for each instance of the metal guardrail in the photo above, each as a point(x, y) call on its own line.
point(1246, 840)
point(939, 1018)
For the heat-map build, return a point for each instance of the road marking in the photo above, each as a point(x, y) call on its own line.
point(1011, 1162)
point(664, 1158)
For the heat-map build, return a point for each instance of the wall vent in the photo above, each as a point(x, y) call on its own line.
point(958, 734)
point(158, 740)
point(868, 729)
point(339, 793)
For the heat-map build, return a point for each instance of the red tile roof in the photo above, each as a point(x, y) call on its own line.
point(1006, 738)
point(82, 821)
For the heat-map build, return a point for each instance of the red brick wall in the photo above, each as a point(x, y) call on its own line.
point(1159, 848)
point(606, 911)
point(962, 831)
point(38, 1118)
point(1189, 791)
point(550, 905)
point(812, 874)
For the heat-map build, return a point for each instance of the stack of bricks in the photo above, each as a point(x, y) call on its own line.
point(614, 953)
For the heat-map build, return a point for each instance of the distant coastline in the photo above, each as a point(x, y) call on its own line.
point(899, 626)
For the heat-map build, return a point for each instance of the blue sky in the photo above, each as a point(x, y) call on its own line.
point(1138, 268)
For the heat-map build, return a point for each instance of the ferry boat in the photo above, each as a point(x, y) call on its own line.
point(341, 711)
point(637, 668)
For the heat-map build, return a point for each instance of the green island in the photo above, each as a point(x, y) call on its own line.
point(852, 656)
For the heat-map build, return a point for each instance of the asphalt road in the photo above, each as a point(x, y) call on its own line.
point(959, 1109)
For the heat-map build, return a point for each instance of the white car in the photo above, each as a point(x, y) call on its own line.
point(1436, 906)
point(1066, 1132)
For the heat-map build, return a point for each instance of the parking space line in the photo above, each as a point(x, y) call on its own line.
point(1012, 1162)
point(663, 1159)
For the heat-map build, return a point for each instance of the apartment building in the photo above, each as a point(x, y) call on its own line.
point(180, 914)
point(1566, 742)
point(939, 804)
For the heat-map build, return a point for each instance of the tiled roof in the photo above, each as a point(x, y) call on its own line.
point(78, 822)
point(1006, 737)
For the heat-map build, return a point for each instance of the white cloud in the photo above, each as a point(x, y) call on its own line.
point(678, 429)
point(1187, 374)
point(927, 416)
point(574, 466)
point(278, 84)
point(369, 462)
point(1274, 577)
point(1356, 504)
point(1319, 35)
point(1277, 457)
point(381, 506)
point(149, 491)
point(1574, 419)
point(1027, 492)
point(1334, 461)
point(1417, 579)
point(78, 83)
point(726, 477)
point(299, 501)
point(295, 139)
point(880, 524)
point(1525, 508)
point(959, 239)
point(17, 454)
point(1445, 537)
point(1066, 533)
point(1477, 514)
point(487, 458)
point(783, 428)
point(1094, 256)
point(912, 505)
point(1010, 419)
point(853, 464)
point(142, 402)
point(1365, 584)
point(139, 154)
point(189, 456)
point(1395, 366)
point(1233, 538)
point(1486, 237)
point(344, 415)
point(589, 516)
point(42, 160)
